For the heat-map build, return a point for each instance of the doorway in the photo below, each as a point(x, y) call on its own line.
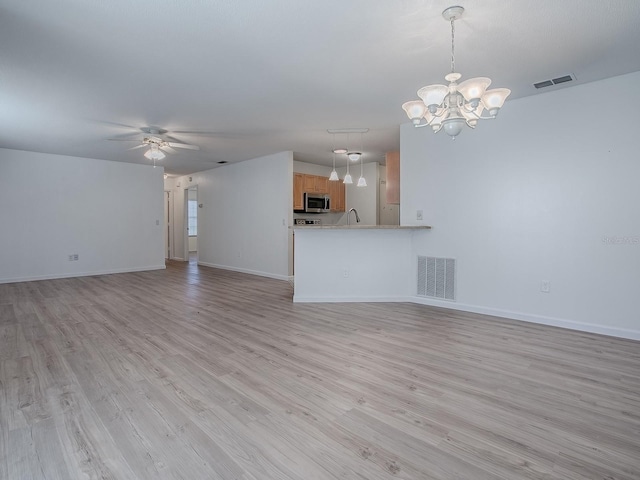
point(191, 230)
point(168, 225)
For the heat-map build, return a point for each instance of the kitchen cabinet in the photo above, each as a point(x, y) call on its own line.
point(317, 184)
point(392, 159)
point(336, 191)
point(309, 183)
point(298, 191)
point(322, 185)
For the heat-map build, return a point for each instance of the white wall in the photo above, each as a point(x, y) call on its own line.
point(52, 206)
point(244, 222)
point(388, 213)
point(546, 192)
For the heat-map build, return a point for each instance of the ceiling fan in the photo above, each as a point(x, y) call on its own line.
point(157, 141)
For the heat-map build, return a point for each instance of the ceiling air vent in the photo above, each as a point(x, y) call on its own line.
point(554, 81)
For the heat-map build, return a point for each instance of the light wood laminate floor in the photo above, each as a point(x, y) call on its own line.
point(198, 373)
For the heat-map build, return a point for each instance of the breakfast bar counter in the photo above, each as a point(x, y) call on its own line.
point(355, 263)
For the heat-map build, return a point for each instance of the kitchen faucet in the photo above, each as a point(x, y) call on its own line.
point(349, 216)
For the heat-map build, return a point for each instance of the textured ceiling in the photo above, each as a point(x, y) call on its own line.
point(256, 77)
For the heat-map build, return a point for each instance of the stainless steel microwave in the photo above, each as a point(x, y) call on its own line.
point(317, 203)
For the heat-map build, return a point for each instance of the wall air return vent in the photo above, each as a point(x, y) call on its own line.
point(437, 278)
point(554, 81)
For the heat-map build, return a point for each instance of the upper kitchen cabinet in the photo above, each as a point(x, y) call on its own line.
point(336, 191)
point(298, 191)
point(392, 159)
point(322, 184)
point(315, 184)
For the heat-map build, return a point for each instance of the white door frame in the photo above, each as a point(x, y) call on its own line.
point(168, 225)
point(186, 221)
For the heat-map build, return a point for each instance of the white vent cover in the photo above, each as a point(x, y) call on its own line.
point(437, 278)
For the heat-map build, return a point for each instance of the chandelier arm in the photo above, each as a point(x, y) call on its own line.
point(471, 110)
point(440, 112)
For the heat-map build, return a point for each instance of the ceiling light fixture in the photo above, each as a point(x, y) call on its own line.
point(362, 182)
point(154, 152)
point(347, 178)
point(340, 151)
point(334, 175)
point(354, 156)
point(451, 107)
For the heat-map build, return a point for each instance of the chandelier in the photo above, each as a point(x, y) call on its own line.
point(451, 107)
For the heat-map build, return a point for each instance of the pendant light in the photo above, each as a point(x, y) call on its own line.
point(347, 178)
point(334, 175)
point(362, 182)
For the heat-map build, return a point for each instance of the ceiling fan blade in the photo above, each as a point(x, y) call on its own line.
point(137, 146)
point(167, 149)
point(183, 145)
point(125, 139)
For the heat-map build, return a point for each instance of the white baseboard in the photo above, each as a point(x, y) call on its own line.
point(54, 276)
point(245, 270)
point(532, 318)
point(178, 259)
point(307, 299)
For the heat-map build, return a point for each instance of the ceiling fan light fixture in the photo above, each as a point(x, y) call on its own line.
point(154, 153)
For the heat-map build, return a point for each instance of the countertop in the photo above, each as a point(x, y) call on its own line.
point(361, 227)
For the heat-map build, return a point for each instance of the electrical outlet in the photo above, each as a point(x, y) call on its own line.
point(345, 273)
point(545, 286)
point(419, 215)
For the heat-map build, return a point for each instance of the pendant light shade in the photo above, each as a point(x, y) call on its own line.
point(334, 175)
point(362, 182)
